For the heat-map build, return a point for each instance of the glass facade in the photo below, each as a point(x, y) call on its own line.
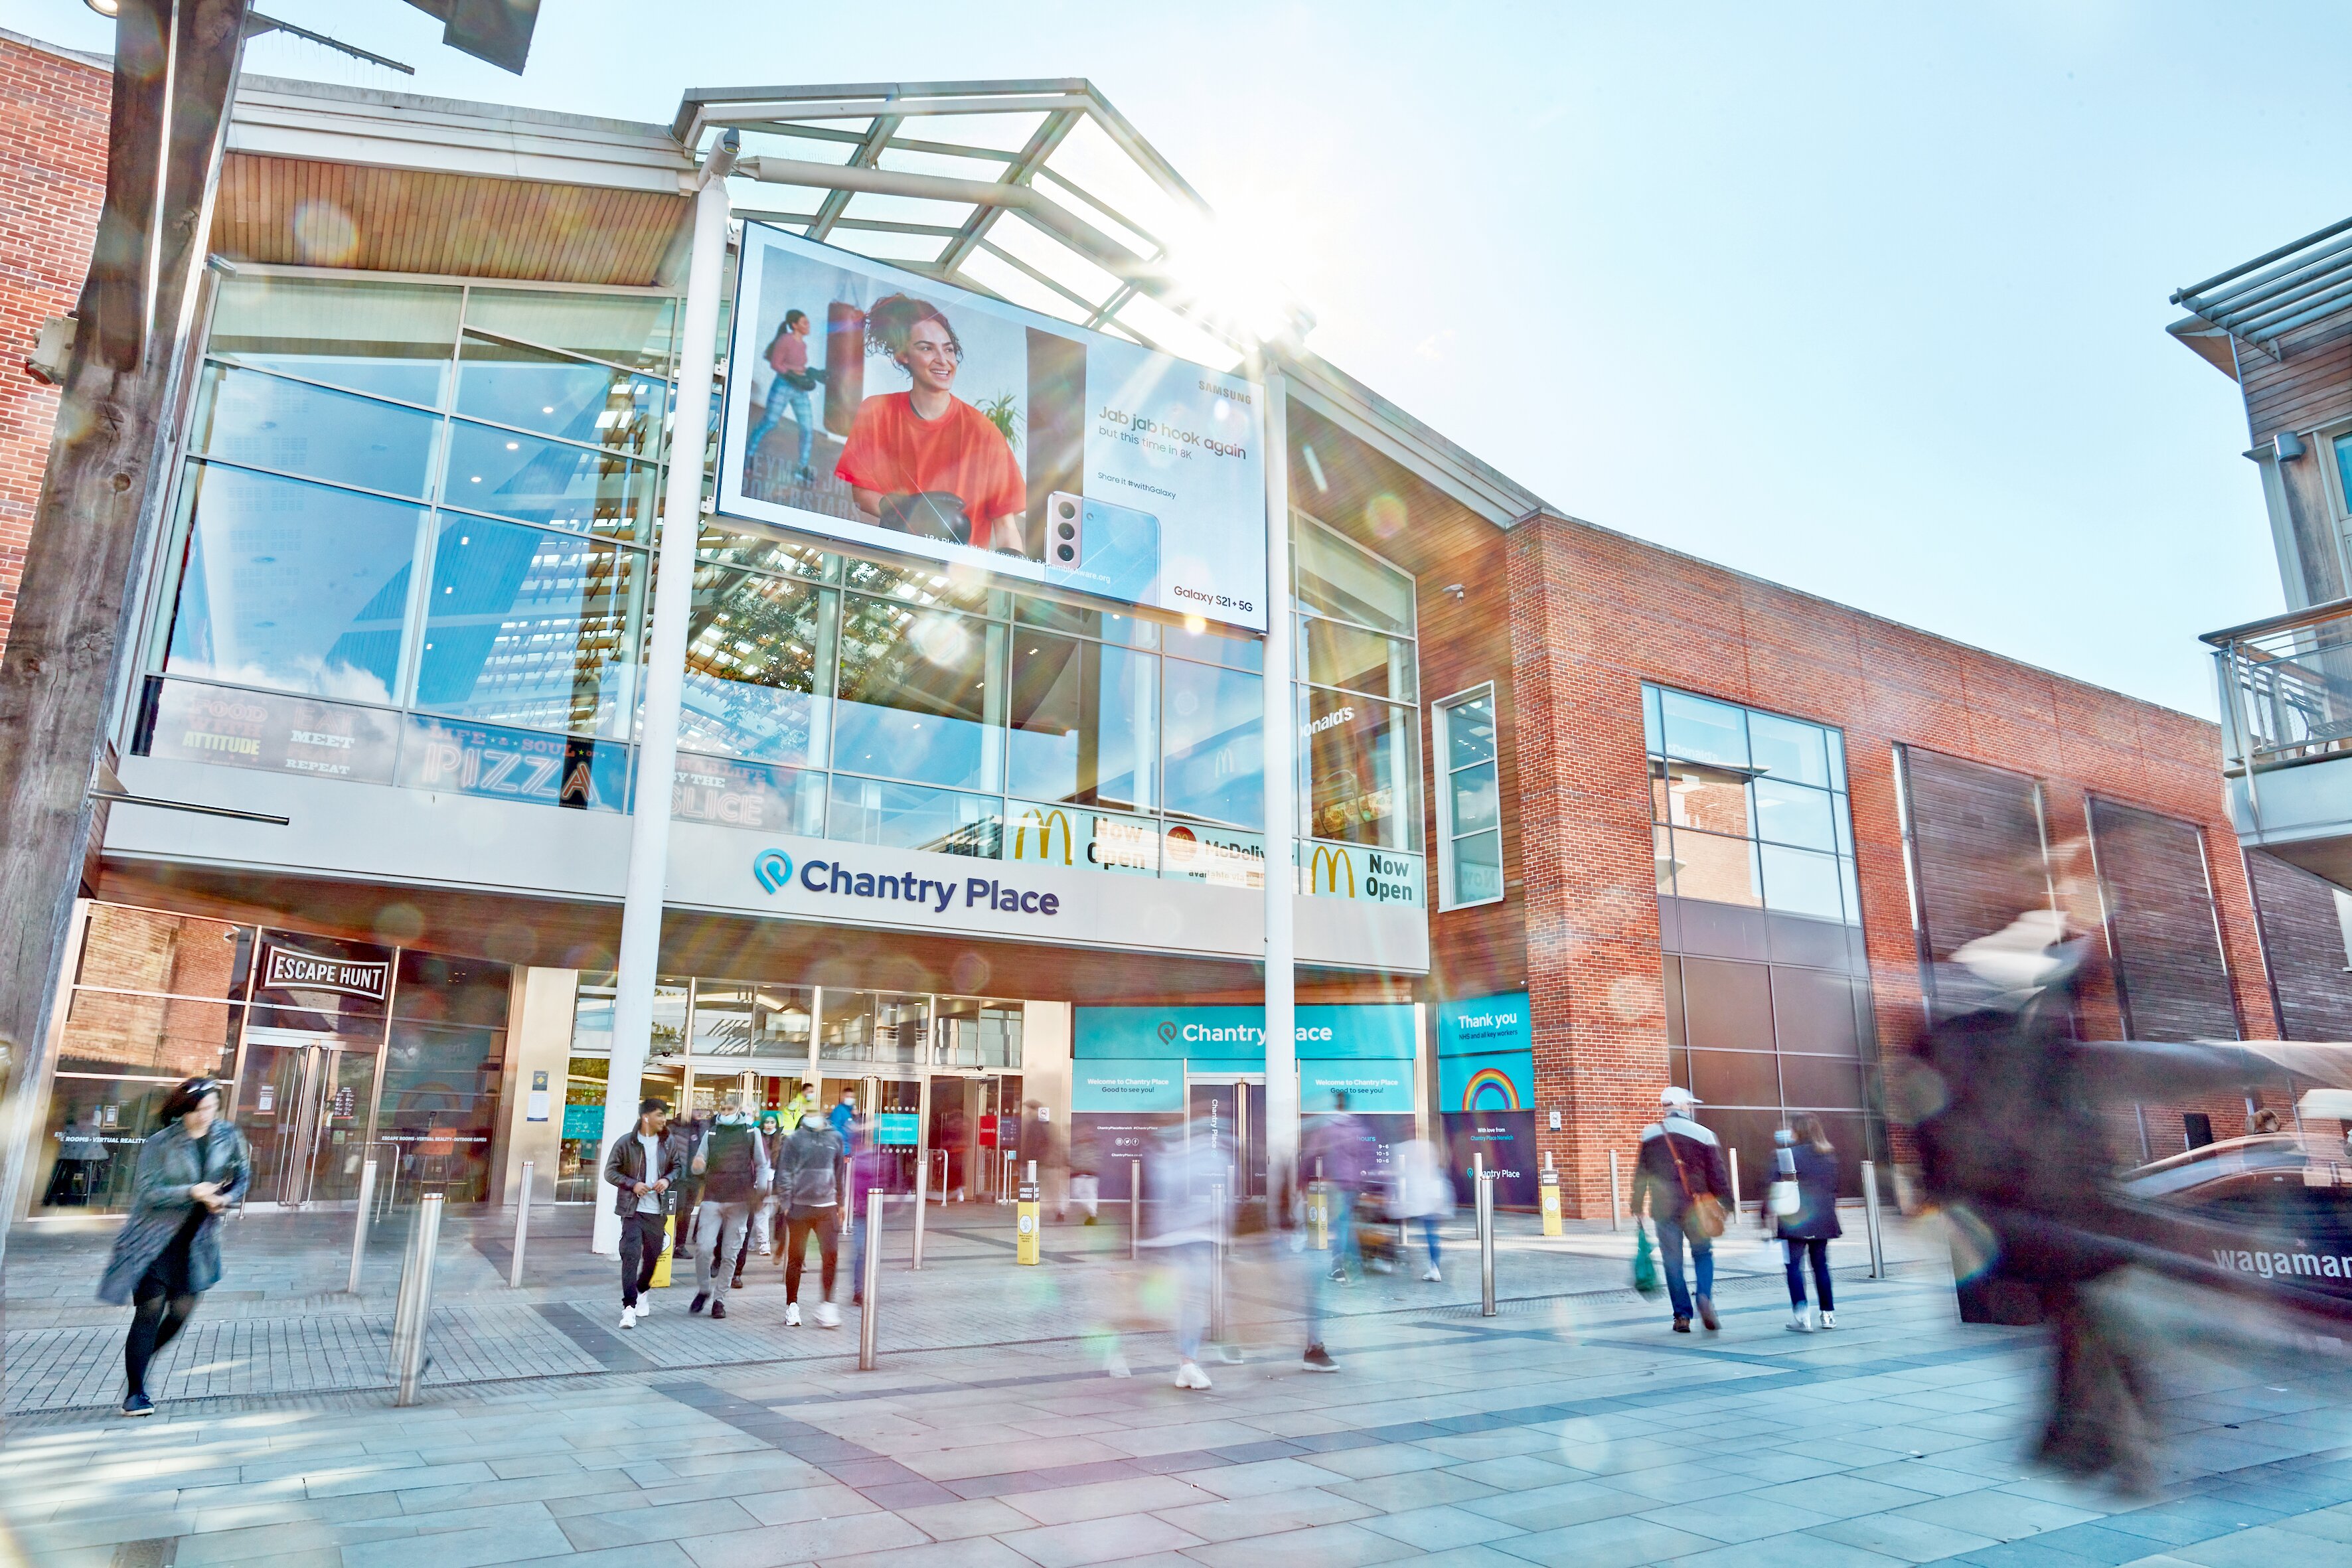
point(1767, 997)
point(1469, 808)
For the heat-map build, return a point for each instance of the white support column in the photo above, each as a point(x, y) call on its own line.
point(665, 678)
point(1281, 803)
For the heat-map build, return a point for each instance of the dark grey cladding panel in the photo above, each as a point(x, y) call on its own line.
point(2303, 939)
point(2171, 975)
point(1815, 944)
point(1718, 930)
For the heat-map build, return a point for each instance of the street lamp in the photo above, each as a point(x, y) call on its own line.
point(107, 8)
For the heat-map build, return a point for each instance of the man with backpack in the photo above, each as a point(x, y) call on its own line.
point(733, 1166)
point(1682, 1181)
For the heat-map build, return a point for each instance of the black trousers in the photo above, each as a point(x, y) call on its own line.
point(641, 1247)
point(157, 1318)
point(826, 1225)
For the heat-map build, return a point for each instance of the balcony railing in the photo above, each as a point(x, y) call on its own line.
point(2285, 687)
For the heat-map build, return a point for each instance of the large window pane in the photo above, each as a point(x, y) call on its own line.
point(1713, 800)
point(1736, 1078)
point(1337, 654)
point(1799, 883)
point(783, 557)
point(632, 330)
point(908, 816)
point(523, 477)
point(1821, 1081)
point(1477, 799)
point(1792, 814)
point(926, 586)
point(395, 340)
point(1363, 763)
point(149, 949)
point(440, 1106)
point(155, 1036)
point(1788, 750)
point(920, 695)
point(1339, 580)
point(974, 1032)
point(269, 422)
point(1469, 732)
point(1213, 749)
point(864, 1026)
point(1084, 722)
point(756, 652)
point(1478, 867)
point(762, 1023)
point(1106, 626)
point(88, 1155)
point(293, 586)
point(1705, 731)
point(1211, 646)
point(1719, 870)
point(528, 627)
point(509, 385)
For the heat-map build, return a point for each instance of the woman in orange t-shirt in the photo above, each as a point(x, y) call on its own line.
point(923, 460)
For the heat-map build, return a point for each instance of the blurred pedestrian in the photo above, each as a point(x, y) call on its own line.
point(865, 1174)
point(1805, 1175)
point(733, 1168)
point(1683, 1185)
point(643, 1168)
point(764, 1211)
point(2265, 1123)
point(1424, 1191)
point(1181, 1229)
point(810, 1186)
point(1339, 1154)
point(167, 1254)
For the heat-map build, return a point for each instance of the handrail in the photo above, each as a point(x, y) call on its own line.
point(2293, 620)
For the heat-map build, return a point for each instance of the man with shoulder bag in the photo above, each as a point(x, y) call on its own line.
point(1681, 1180)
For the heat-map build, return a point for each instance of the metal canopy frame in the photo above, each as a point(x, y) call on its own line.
point(1035, 192)
point(2259, 302)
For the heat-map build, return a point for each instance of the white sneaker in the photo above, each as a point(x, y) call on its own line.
point(1800, 1320)
point(1431, 1276)
point(1829, 1319)
point(1115, 1365)
point(646, 1305)
point(829, 1316)
point(1190, 1375)
point(628, 1316)
point(791, 1314)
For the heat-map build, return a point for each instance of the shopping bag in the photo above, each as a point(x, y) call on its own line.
point(1646, 1262)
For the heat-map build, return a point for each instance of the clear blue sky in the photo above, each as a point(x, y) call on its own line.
point(1867, 300)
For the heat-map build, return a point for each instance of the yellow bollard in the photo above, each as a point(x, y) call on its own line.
point(1026, 1208)
point(669, 1240)
point(1551, 1183)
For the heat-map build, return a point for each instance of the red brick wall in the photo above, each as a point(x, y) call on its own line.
point(53, 118)
point(1594, 614)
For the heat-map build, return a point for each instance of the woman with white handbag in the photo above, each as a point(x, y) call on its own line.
point(1801, 1202)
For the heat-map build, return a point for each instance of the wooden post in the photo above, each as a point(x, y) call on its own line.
point(175, 66)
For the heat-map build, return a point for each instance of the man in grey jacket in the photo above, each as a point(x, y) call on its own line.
point(808, 1188)
point(733, 1166)
point(641, 1167)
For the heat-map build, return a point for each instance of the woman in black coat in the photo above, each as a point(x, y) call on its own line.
point(1803, 1157)
point(167, 1253)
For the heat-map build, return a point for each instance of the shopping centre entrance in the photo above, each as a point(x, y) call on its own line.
point(303, 1105)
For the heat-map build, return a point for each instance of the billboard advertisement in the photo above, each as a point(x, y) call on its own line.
point(888, 410)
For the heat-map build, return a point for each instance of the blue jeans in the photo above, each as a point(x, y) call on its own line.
point(1344, 1249)
point(1819, 1252)
point(781, 395)
point(1429, 1233)
point(1670, 1253)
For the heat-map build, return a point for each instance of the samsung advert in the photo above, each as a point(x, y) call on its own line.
point(885, 409)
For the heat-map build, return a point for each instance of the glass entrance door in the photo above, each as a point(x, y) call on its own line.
point(303, 1107)
point(1232, 1117)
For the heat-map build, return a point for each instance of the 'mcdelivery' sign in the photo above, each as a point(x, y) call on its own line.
point(772, 869)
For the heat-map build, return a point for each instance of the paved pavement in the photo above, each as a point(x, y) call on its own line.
point(1569, 1429)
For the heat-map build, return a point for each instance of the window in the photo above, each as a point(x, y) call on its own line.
point(1469, 801)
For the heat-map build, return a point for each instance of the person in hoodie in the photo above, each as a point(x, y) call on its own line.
point(733, 1170)
point(1681, 1163)
point(809, 1186)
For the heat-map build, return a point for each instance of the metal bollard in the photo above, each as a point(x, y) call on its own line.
point(1615, 1206)
point(359, 1224)
point(415, 1301)
point(922, 1184)
point(1217, 1263)
point(871, 1287)
point(1485, 1193)
point(1869, 1219)
point(523, 1229)
point(1134, 1210)
point(1733, 1164)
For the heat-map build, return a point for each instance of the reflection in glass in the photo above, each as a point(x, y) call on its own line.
point(509, 385)
point(268, 422)
point(1478, 866)
point(976, 1032)
point(1214, 753)
point(1787, 750)
point(862, 1027)
point(1791, 813)
point(1470, 731)
point(150, 950)
point(293, 586)
point(1799, 883)
point(394, 339)
point(766, 1022)
point(1103, 625)
point(630, 330)
point(1339, 580)
point(1705, 731)
point(920, 695)
point(723, 547)
point(1714, 799)
point(1337, 654)
point(910, 817)
point(520, 476)
point(1211, 645)
point(439, 1106)
point(757, 650)
point(157, 1036)
point(1720, 870)
point(925, 585)
point(525, 627)
point(1363, 764)
point(592, 1015)
point(89, 1151)
point(1084, 722)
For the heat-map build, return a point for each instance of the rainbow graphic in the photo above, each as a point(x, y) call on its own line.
point(1490, 1089)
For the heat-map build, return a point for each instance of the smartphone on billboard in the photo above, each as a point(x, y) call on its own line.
point(1100, 548)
